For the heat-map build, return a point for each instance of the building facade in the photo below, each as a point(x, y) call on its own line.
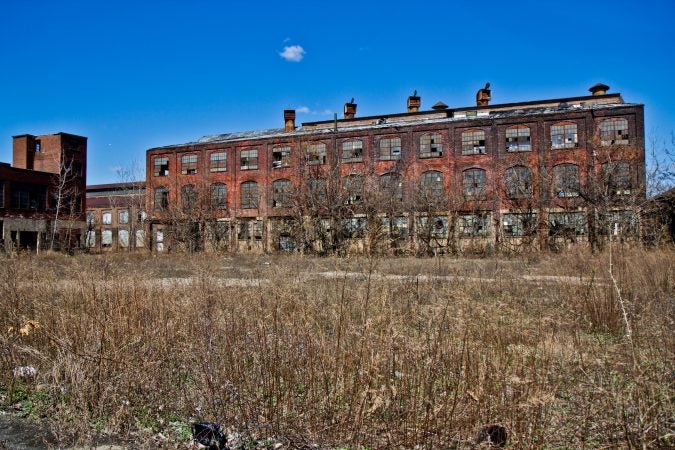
point(42, 194)
point(536, 174)
point(116, 217)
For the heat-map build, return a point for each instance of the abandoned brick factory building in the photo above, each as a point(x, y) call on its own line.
point(42, 194)
point(536, 174)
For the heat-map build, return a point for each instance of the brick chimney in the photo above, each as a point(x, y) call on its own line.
point(414, 102)
point(483, 96)
point(599, 89)
point(350, 110)
point(289, 120)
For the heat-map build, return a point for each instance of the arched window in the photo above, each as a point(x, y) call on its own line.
point(161, 198)
point(518, 139)
point(188, 164)
point(564, 135)
point(316, 153)
point(281, 194)
point(616, 176)
point(431, 146)
point(218, 196)
point(474, 182)
point(316, 190)
point(390, 148)
point(353, 185)
point(432, 183)
point(614, 132)
point(518, 182)
point(352, 151)
point(249, 195)
point(392, 185)
point(566, 180)
point(473, 142)
point(188, 196)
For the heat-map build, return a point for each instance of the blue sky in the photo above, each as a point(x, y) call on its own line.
point(131, 75)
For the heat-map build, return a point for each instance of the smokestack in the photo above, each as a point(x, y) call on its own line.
point(289, 120)
point(350, 110)
point(414, 102)
point(483, 96)
point(599, 89)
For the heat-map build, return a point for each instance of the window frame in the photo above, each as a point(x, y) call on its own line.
point(284, 159)
point(564, 185)
point(571, 223)
point(220, 161)
point(430, 149)
point(471, 142)
point(351, 151)
point(561, 131)
point(618, 178)
point(249, 159)
point(353, 186)
point(471, 188)
point(433, 187)
point(281, 193)
point(521, 142)
point(388, 149)
point(474, 225)
point(161, 198)
point(524, 224)
point(515, 189)
point(249, 195)
point(610, 132)
point(188, 197)
point(160, 166)
point(316, 153)
point(188, 164)
point(392, 182)
point(218, 196)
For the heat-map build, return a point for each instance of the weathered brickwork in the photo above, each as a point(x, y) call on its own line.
point(473, 148)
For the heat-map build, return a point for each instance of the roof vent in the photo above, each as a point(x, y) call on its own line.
point(599, 89)
point(439, 106)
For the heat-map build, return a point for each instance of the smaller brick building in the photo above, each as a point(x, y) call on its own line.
point(116, 217)
point(42, 194)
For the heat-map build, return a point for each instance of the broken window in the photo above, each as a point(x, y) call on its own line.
point(161, 198)
point(516, 225)
point(106, 218)
point(249, 159)
point(564, 135)
point(474, 224)
point(614, 132)
point(249, 195)
point(390, 148)
point(281, 157)
point(316, 190)
point(396, 227)
point(433, 227)
point(566, 180)
point(106, 238)
point(473, 142)
point(28, 196)
point(619, 223)
point(123, 238)
point(188, 164)
point(286, 243)
point(352, 151)
point(250, 229)
point(281, 194)
point(316, 153)
point(91, 219)
point(353, 185)
point(518, 182)
point(431, 146)
point(474, 182)
point(218, 196)
point(161, 166)
point(218, 162)
point(518, 139)
point(432, 184)
point(355, 227)
point(123, 217)
point(617, 178)
point(188, 197)
point(566, 223)
point(392, 186)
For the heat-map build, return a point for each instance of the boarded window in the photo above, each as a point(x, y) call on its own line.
point(316, 153)
point(218, 196)
point(249, 195)
point(431, 146)
point(518, 139)
point(161, 166)
point(218, 162)
point(249, 159)
point(518, 182)
point(564, 135)
point(281, 157)
point(281, 194)
point(188, 164)
point(390, 148)
point(566, 180)
point(352, 151)
point(473, 142)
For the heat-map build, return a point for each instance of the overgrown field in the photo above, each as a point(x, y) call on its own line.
point(345, 353)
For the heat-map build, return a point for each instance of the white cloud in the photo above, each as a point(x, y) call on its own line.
point(313, 112)
point(303, 109)
point(293, 53)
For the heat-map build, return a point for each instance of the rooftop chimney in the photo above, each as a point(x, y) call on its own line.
point(350, 109)
point(599, 89)
point(289, 120)
point(439, 106)
point(483, 96)
point(414, 102)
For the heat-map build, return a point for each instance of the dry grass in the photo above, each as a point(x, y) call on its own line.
point(365, 361)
